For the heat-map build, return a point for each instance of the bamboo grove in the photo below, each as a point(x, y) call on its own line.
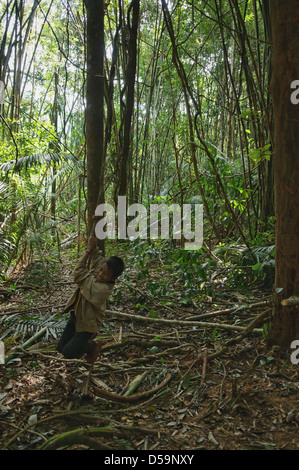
point(200, 116)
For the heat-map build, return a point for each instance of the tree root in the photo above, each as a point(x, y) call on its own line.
point(131, 398)
point(89, 436)
point(79, 436)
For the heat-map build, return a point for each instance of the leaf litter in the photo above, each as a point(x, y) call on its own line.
point(156, 386)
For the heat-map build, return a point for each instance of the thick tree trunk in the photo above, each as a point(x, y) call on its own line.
point(285, 69)
point(95, 106)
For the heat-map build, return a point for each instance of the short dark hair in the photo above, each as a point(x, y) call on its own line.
point(116, 265)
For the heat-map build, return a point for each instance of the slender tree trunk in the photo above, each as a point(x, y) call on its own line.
point(53, 147)
point(285, 69)
point(130, 86)
point(95, 107)
point(16, 92)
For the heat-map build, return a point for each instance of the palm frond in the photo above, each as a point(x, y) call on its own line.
point(5, 248)
point(4, 187)
point(29, 161)
point(21, 327)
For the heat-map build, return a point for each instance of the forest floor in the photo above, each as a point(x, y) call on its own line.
point(191, 392)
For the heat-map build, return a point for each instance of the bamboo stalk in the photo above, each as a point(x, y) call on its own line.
point(135, 383)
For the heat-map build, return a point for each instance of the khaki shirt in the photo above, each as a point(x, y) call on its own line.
point(91, 308)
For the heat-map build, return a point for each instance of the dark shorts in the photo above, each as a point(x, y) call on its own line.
point(74, 345)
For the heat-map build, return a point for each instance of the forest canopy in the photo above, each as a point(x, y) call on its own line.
point(200, 126)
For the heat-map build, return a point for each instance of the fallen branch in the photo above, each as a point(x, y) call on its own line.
point(180, 322)
point(226, 311)
point(204, 367)
point(163, 353)
point(293, 300)
point(128, 399)
point(247, 330)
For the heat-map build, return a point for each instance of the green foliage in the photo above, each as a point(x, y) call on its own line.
point(14, 326)
point(26, 183)
point(41, 202)
point(248, 265)
point(190, 272)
